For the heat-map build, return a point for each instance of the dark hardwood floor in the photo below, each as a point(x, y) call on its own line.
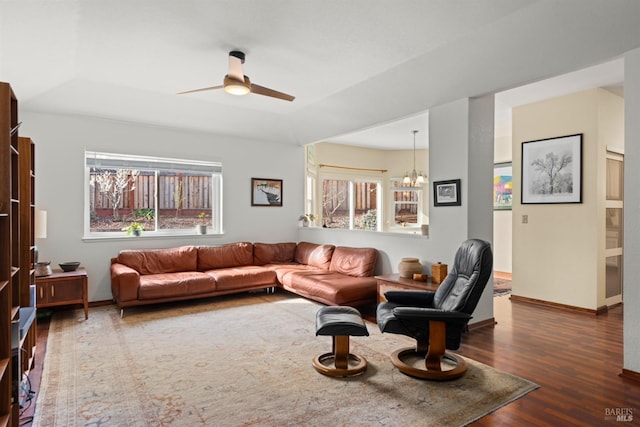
point(576, 359)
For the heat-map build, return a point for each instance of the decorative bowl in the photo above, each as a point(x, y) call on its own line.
point(69, 266)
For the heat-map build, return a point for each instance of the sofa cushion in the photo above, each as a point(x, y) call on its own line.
point(159, 261)
point(154, 286)
point(270, 253)
point(224, 256)
point(283, 269)
point(242, 277)
point(331, 287)
point(314, 254)
point(356, 262)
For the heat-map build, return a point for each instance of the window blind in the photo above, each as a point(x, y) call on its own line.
point(100, 160)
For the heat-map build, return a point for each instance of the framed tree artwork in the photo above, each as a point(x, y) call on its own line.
point(266, 192)
point(447, 193)
point(552, 170)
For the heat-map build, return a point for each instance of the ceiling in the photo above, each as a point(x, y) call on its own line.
point(398, 134)
point(352, 65)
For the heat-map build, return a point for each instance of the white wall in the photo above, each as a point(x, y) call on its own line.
point(480, 167)
point(631, 287)
point(502, 240)
point(60, 143)
point(558, 256)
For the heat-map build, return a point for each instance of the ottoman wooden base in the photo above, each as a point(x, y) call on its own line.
point(340, 323)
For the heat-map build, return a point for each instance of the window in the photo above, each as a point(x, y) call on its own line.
point(166, 196)
point(351, 204)
point(407, 205)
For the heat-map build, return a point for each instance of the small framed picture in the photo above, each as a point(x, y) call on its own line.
point(447, 193)
point(502, 186)
point(552, 170)
point(266, 192)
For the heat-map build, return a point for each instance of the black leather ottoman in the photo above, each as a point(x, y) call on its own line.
point(340, 322)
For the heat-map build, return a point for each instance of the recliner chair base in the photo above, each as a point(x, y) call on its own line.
point(447, 366)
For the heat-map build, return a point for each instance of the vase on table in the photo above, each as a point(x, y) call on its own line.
point(408, 267)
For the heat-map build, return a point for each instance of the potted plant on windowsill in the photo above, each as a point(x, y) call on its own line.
point(134, 229)
point(201, 227)
point(306, 219)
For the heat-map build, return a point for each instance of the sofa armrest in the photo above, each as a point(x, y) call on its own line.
point(125, 282)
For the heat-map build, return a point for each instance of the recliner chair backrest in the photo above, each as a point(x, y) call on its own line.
point(462, 288)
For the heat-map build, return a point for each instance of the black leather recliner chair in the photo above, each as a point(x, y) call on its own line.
point(437, 319)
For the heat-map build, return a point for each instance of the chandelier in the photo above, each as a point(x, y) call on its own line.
point(414, 179)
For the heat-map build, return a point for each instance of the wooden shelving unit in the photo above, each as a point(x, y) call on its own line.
point(27, 247)
point(17, 328)
point(9, 310)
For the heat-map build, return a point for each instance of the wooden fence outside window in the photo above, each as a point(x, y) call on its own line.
point(183, 194)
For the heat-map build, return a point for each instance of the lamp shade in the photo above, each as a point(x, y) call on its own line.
point(40, 227)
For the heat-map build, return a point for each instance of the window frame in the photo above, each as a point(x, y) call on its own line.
point(153, 163)
point(419, 203)
point(352, 179)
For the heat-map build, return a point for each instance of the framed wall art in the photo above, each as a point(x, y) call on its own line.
point(447, 193)
point(266, 192)
point(502, 186)
point(552, 170)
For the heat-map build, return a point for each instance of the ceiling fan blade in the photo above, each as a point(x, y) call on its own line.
point(235, 67)
point(201, 90)
point(261, 90)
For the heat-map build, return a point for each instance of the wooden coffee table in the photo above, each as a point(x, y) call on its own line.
point(390, 282)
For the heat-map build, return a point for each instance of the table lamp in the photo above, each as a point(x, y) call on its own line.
point(40, 232)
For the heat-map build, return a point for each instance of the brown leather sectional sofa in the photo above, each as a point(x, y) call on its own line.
point(333, 275)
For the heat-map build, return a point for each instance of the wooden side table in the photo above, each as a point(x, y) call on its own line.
point(390, 282)
point(63, 288)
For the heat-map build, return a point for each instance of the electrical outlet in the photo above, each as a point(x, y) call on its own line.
point(525, 219)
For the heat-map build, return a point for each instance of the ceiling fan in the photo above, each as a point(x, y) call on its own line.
point(236, 83)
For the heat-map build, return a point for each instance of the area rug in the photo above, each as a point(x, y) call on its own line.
point(501, 287)
point(240, 361)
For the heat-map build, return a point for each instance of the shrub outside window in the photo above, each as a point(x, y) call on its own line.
point(165, 196)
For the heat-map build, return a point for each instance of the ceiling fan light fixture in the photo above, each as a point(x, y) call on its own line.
point(236, 87)
point(238, 84)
